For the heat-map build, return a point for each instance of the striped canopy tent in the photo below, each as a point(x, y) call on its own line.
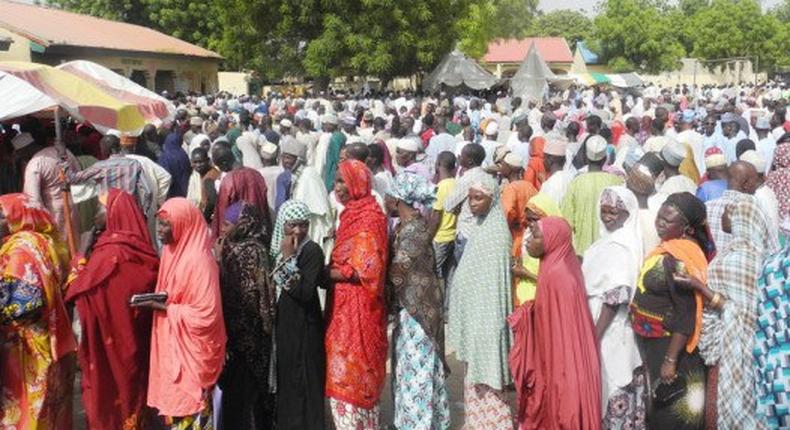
point(590, 79)
point(625, 80)
point(20, 98)
point(153, 107)
point(83, 100)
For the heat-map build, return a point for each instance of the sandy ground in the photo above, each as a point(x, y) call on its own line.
point(455, 387)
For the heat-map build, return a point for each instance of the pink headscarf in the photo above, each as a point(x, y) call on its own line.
point(188, 340)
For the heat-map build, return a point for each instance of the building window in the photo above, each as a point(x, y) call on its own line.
point(165, 81)
point(138, 77)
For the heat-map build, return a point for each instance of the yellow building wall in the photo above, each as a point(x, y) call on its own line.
point(18, 51)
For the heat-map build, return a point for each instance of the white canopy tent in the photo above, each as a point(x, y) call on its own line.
point(20, 98)
point(531, 81)
point(456, 70)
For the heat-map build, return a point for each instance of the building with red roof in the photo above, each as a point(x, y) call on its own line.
point(504, 56)
point(154, 60)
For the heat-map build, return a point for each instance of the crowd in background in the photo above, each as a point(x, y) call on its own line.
point(619, 259)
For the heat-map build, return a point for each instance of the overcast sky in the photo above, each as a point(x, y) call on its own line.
point(589, 5)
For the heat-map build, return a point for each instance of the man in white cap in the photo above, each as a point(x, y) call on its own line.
point(765, 196)
point(689, 136)
point(330, 133)
point(715, 176)
point(732, 133)
point(42, 180)
point(299, 181)
point(515, 195)
point(490, 143)
point(286, 125)
point(270, 171)
point(195, 128)
point(580, 203)
point(673, 154)
point(554, 161)
point(406, 157)
point(766, 144)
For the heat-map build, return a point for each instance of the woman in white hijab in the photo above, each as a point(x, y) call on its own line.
point(611, 268)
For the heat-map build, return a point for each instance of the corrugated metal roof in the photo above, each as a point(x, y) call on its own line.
point(552, 49)
point(48, 26)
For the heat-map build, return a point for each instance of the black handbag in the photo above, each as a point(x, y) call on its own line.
point(664, 394)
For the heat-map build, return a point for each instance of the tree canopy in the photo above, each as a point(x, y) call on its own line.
point(573, 25)
point(487, 20)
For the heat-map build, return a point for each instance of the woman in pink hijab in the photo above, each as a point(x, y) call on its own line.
point(188, 338)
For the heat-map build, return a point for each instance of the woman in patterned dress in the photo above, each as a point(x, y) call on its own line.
point(356, 334)
point(479, 306)
point(421, 400)
point(666, 317)
point(36, 354)
point(248, 308)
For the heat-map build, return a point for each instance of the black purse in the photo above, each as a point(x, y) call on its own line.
point(664, 394)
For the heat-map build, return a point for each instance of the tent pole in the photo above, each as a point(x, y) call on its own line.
point(66, 190)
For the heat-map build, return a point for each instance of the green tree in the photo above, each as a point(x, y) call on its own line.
point(570, 24)
point(782, 11)
point(131, 11)
point(749, 32)
point(638, 35)
point(487, 20)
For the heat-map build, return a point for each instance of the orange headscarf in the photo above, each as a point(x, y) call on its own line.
point(188, 340)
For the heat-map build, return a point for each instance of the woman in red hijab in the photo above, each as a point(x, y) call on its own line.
point(356, 336)
point(554, 359)
point(535, 173)
point(188, 336)
point(116, 338)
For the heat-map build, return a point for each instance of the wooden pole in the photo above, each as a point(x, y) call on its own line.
point(71, 239)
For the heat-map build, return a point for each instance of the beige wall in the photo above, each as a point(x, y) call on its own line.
point(507, 70)
point(18, 51)
point(235, 83)
point(692, 71)
point(189, 74)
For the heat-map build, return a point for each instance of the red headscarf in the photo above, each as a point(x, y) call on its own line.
point(188, 340)
point(356, 336)
point(243, 184)
point(554, 342)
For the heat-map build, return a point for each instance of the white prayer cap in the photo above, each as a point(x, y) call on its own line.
point(755, 159)
point(268, 150)
point(286, 123)
point(596, 148)
point(329, 119)
point(407, 144)
point(514, 160)
point(673, 153)
point(22, 140)
point(655, 144)
point(196, 121)
point(492, 128)
point(762, 123)
point(290, 145)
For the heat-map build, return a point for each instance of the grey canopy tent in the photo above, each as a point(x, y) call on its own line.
point(531, 81)
point(456, 70)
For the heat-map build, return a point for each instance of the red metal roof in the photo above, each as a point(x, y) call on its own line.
point(48, 26)
point(552, 49)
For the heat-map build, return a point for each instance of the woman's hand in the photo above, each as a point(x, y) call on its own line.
point(669, 372)
point(151, 304)
point(518, 270)
point(288, 246)
point(687, 281)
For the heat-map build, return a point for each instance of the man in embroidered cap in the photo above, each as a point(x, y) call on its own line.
point(715, 180)
point(270, 171)
point(766, 197)
point(694, 165)
point(406, 157)
point(327, 152)
point(286, 126)
point(766, 144)
point(673, 155)
point(490, 143)
point(195, 128)
point(554, 160)
point(515, 195)
point(299, 181)
point(732, 133)
point(580, 203)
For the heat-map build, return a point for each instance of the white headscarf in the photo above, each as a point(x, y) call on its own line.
point(614, 260)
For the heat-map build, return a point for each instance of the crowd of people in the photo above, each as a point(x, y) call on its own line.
point(619, 260)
